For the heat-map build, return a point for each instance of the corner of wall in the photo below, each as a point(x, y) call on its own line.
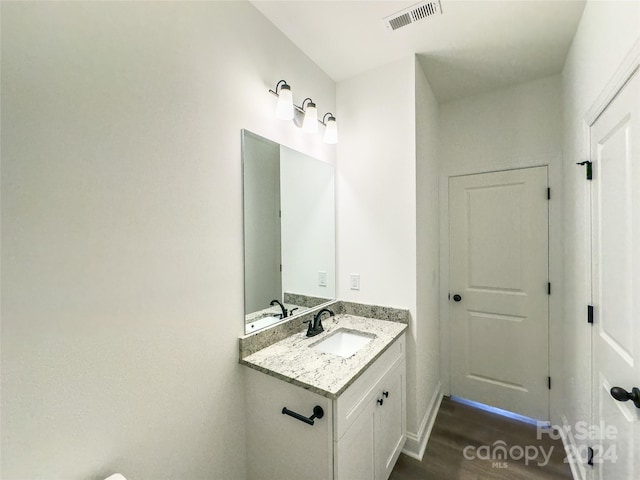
point(416, 443)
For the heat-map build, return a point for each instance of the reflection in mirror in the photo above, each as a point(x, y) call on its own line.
point(289, 232)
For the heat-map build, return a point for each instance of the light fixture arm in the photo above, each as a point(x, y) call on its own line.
point(324, 121)
point(283, 82)
point(310, 102)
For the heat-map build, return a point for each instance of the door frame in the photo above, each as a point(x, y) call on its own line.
point(629, 65)
point(553, 162)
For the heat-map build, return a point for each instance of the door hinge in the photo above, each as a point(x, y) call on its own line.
point(549, 382)
point(590, 456)
point(590, 314)
point(549, 288)
point(280, 268)
point(589, 170)
point(548, 193)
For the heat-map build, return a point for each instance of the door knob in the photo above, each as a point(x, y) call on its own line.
point(457, 298)
point(622, 395)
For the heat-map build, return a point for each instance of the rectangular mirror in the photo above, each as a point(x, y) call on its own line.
point(289, 232)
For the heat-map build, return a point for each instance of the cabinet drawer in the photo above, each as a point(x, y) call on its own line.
point(354, 399)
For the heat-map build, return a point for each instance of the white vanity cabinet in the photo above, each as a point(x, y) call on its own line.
point(369, 419)
point(360, 436)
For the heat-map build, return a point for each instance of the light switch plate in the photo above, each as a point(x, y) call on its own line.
point(322, 279)
point(355, 281)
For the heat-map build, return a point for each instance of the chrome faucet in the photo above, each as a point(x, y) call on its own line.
point(284, 310)
point(315, 325)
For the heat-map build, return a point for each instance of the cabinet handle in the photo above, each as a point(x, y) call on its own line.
point(318, 412)
point(386, 394)
point(380, 401)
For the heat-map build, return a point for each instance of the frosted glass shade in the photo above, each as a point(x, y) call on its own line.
point(331, 131)
point(310, 122)
point(284, 108)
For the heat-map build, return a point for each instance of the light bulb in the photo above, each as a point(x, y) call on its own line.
point(284, 109)
point(331, 131)
point(310, 122)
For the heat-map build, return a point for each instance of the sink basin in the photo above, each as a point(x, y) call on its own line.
point(262, 322)
point(343, 342)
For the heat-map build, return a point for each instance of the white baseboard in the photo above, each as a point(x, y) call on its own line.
point(577, 469)
point(416, 443)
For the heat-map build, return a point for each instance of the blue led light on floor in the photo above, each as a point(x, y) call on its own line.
point(501, 412)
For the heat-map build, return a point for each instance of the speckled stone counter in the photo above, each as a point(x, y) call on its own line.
point(256, 340)
point(292, 361)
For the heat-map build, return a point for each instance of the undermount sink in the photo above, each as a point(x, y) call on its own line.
point(343, 342)
point(262, 322)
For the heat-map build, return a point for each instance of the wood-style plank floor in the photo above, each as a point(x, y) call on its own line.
point(458, 426)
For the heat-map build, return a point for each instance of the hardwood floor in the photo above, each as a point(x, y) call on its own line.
point(460, 426)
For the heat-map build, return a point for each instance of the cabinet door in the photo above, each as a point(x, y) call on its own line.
point(280, 447)
point(354, 453)
point(390, 422)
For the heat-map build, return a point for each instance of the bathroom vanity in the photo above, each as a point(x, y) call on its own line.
point(315, 410)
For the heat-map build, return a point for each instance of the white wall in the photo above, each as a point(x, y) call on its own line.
point(503, 127)
point(427, 372)
point(606, 33)
point(376, 186)
point(376, 191)
point(308, 224)
point(122, 231)
point(381, 155)
point(514, 127)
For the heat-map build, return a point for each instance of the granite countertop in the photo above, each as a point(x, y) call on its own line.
point(292, 361)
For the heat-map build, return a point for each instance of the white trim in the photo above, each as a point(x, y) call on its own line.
point(578, 472)
point(416, 444)
point(622, 75)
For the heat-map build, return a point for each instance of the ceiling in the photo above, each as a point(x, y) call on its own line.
point(473, 47)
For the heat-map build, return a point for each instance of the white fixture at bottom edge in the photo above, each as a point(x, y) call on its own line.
point(343, 342)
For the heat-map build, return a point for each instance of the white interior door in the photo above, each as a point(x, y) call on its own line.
point(499, 308)
point(615, 153)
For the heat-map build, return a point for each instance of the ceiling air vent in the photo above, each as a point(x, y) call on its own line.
point(413, 14)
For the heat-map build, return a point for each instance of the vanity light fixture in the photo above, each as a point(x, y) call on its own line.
point(284, 109)
point(287, 110)
point(310, 122)
point(331, 128)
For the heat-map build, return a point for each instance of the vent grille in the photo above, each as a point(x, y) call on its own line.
point(400, 21)
point(412, 14)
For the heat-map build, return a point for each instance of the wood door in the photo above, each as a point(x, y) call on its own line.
point(499, 289)
point(615, 216)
